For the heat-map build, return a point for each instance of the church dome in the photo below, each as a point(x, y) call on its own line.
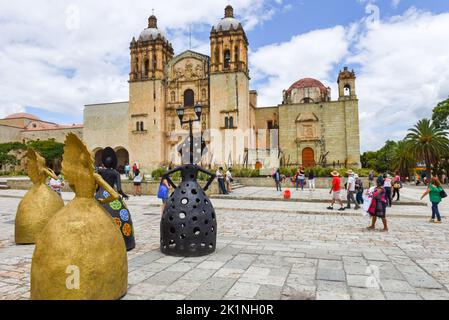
point(152, 32)
point(228, 22)
point(23, 116)
point(308, 83)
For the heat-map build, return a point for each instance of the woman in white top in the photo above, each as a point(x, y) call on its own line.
point(229, 180)
point(137, 183)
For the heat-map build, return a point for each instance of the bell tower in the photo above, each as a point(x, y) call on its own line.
point(346, 85)
point(146, 120)
point(229, 90)
point(229, 45)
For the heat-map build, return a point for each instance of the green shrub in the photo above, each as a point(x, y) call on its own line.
point(245, 173)
point(158, 173)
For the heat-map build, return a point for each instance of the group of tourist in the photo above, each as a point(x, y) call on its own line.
point(225, 180)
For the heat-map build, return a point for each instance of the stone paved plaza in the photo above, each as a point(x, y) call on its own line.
point(271, 250)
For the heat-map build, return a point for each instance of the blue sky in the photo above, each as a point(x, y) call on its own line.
point(57, 57)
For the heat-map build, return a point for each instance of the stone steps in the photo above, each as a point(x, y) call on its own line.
point(4, 186)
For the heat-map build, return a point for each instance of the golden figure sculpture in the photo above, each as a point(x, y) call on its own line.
point(80, 254)
point(39, 204)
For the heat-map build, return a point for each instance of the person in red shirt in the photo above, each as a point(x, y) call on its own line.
point(335, 191)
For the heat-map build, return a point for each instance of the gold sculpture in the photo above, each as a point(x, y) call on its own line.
point(80, 254)
point(39, 204)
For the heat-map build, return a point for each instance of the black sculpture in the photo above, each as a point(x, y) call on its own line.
point(189, 224)
point(117, 209)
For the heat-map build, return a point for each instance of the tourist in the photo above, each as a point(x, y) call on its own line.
point(164, 192)
point(370, 178)
point(127, 169)
point(311, 180)
point(387, 187)
point(397, 186)
point(134, 169)
point(350, 188)
point(57, 184)
point(378, 208)
point(221, 181)
point(335, 191)
point(277, 178)
point(358, 189)
point(229, 180)
point(434, 191)
point(301, 178)
point(137, 183)
point(380, 180)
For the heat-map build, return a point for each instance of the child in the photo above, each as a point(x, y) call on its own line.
point(57, 184)
point(163, 193)
point(137, 183)
point(378, 207)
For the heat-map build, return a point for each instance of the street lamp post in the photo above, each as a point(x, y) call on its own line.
point(198, 111)
point(188, 224)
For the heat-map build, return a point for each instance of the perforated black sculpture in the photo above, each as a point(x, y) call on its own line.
point(189, 224)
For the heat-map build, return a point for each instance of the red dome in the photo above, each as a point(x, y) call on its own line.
point(308, 83)
point(23, 115)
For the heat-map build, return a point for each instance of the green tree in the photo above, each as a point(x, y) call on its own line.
point(403, 159)
point(49, 149)
point(440, 115)
point(428, 142)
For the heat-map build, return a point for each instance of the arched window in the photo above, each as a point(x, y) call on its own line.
point(189, 98)
point(227, 59)
point(172, 96)
point(203, 94)
point(142, 128)
point(137, 126)
point(227, 122)
point(147, 68)
point(347, 90)
point(231, 122)
point(236, 54)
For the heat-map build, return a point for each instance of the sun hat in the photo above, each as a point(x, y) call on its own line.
point(356, 175)
point(335, 173)
point(349, 172)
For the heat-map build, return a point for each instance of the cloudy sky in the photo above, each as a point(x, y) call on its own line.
point(57, 56)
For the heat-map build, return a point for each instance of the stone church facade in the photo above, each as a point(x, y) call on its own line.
point(307, 128)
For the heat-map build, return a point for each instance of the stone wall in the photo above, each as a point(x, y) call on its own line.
point(148, 188)
point(58, 134)
point(106, 125)
point(269, 182)
point(9, 134)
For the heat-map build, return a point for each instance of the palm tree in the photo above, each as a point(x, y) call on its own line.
point(403, 159)
point(427, 143)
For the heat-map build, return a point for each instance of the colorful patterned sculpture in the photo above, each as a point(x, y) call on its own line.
point(80, 254)
point(39, 204)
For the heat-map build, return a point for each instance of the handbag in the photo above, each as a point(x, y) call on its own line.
point(443, 194)
point(162, 193)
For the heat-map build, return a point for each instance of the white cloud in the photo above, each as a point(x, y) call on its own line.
point(404, 72)
point(275, 67)
point(61, 55)
point(402, 67)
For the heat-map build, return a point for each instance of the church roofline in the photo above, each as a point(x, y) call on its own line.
point(105, 103)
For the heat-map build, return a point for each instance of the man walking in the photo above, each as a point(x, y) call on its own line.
point(335, 191)
point(350, 188)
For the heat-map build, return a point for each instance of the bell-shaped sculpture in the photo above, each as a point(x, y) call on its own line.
point(39, 204)
point(188, 224)
point(80, 254)
point(118, 209)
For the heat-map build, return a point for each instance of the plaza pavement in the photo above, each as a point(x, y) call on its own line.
point(271, 250)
